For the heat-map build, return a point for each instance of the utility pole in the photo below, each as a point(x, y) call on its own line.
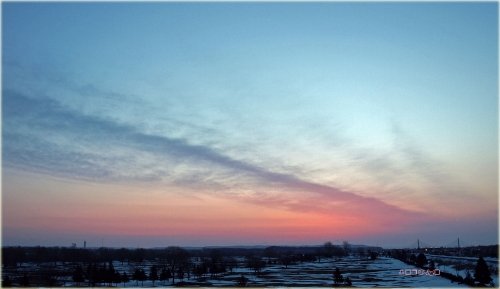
point(418, 244)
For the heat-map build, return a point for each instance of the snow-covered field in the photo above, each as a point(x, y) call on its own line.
point(382, 272)
point(459, 265)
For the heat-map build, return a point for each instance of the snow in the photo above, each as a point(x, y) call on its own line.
point(469, 262)
point(382, 272)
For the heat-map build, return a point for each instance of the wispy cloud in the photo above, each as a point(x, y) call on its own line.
point(42, 135)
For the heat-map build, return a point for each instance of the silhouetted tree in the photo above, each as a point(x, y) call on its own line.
point(198, 271)
point(100, 274)
point(270, 252)
point(180, 273)
point(176, 258)
point(167, 274)
point(142, 276)
point(50, 275)
point(216, 263)
point(242, 281)
point(402, 255)
point(77, 275)
point(11, 256)
point(337, 278)
point(117, 278)
point(468, 279)
point(91, 274)
point(421, 260)
point(319, 253)
point(125, 278)
point(162, 276)
point(255, 263)
point(136, 276)
point(25, 281)
point(287, 258)
point(432, 265)
point(138, 255)
point(361, 252)
point(215, 256)
point(123, 254)
point(231, 263)
point(373, 255)
point(347, 247)
point(482, 273)
point(348, 281)
point(328, 249)
point(6, 282)
point(153, 274)
point(110, 274)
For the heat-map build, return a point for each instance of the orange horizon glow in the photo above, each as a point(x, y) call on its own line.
point(181, 214)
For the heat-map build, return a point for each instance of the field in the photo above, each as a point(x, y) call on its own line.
point(460, 265)
point(381, 272)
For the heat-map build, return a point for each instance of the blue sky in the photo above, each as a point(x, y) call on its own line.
point(266, 104)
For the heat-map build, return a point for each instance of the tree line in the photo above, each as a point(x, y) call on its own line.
point(94, 267)
point(12, 256)
point(481, 276)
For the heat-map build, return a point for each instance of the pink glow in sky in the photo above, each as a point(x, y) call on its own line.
point(143, 125)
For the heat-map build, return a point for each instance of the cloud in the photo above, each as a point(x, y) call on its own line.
point(42, 135)
point(436, 180)
point(418, 161)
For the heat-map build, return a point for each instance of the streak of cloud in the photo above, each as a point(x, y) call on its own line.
point(44, 151)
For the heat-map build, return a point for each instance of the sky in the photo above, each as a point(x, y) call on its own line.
point(195, 124)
